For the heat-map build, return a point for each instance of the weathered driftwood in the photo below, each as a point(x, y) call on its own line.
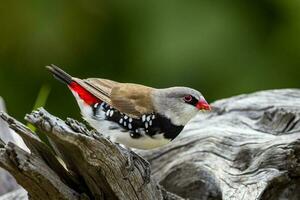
point(8, 135)
point(96, 166)
point(247, 148)
point(18, 194)
point(7, 182)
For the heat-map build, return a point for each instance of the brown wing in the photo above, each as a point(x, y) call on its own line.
point(131, 99)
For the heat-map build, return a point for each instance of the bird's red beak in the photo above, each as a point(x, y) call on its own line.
point(203, 105)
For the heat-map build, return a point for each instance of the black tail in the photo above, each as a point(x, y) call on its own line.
point(59, 74)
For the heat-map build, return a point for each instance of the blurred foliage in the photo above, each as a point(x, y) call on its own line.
point(221, 48)
point(40, 101)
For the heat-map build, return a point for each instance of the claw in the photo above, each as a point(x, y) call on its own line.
point(130, 162)
point(134, 157)
point(130, 165)
point(77, 126)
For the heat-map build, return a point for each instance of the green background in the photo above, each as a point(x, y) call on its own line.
point(221, 48)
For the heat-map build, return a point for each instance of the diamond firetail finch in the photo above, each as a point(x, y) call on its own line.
point(134, 115)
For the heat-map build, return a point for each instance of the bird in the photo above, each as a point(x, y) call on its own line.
point(130, 114)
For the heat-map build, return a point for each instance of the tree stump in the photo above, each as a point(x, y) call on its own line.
point(247, 148)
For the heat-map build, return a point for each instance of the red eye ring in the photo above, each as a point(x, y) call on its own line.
point(188, 98)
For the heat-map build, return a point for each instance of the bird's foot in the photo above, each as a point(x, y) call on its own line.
point(136, 158)
point(132, 159)
point(77, 126)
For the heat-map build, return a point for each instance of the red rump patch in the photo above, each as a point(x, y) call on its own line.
point(85, 95)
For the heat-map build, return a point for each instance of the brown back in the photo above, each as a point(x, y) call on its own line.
point(131, 99)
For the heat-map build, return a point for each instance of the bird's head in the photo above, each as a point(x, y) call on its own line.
point(179, 104)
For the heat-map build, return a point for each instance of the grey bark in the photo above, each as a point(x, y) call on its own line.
point(6, 136)
point(248, 147)
point(18, 194)
point(93, 167)
point(7, 182)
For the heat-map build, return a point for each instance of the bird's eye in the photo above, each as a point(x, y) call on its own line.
point(188, 98)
